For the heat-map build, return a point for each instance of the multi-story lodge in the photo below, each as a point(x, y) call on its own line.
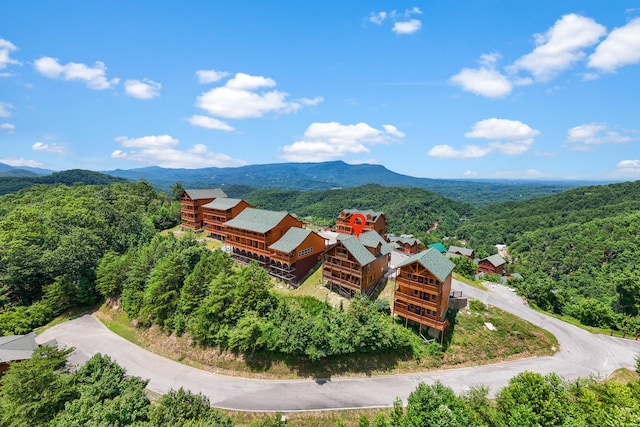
point(491, 265)
point(191, 202)
point(221, 210)
point(374, 221)
point(276, 241)
point(423, 288)
point(356, 264)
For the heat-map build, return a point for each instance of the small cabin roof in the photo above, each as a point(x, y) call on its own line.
point(223, 203)
point(433, 261)
point(206, 193)
point(291, 239)
point(258, 220)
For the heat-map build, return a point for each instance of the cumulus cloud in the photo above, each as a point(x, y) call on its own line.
point(160, 150)
point(142, 89)
point(47, 148)
point(584, 136)
point(628, 168)
point(210, 76)
point(5, 109)
point(470, 174)
point(483, 81)
point(19, 161)
point(6, 47)
point(510, 137)
point(243, 97)
point(95, 77)
point(403, 23)
point(620, 48)
point(8, 127)
point(407, 27)
point(209, 123)
point(332, 140)
point(560, 47)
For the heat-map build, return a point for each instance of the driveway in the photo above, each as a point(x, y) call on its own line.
point(581, 354)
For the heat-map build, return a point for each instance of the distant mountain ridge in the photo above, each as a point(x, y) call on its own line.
point(338, 174)
point(8, 168)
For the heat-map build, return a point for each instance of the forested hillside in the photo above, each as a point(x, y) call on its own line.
point(53, 237)
point(17, 179)
point(577, 250)
point(408, 210)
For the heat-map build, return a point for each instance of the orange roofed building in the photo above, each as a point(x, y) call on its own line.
point(423, 288)
point(191, 202)
point(276, 241)
point(221, 210)
point(356, 264)
point(374, 221)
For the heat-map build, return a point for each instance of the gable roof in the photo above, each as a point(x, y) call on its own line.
point(495, 260)
point(357, 249)
point(371, 239)
point(462, 251)
point(207, 193)
point(258, 220)
point(222, 203)
point(364, 212)
point(291, 239)
point(438, 246)
point(433, 261)
point(404, 238)
point(17, 347)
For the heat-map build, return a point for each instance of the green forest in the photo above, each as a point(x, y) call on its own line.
point(42, 391)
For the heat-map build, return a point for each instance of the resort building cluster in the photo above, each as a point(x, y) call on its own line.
point(353, 259)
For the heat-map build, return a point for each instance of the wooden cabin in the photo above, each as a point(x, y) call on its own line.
point(491, 265)
point(456, 251)
point(356, 264)
point(423, 287)
point(295, 254)
point(405, 243)
point(374, 221)
point(191, 202)
point(221, 210)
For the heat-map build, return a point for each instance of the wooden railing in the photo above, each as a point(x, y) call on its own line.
point(410, 299)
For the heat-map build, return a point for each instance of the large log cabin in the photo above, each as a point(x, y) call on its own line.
point(191, 202)
point(276, 241)
point(423, 287)
point(405, 243)
point(221, 210)
point(356, 264)
point(491, 265)
point(374, 221)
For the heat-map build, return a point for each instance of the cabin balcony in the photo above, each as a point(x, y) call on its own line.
point(415, 284)
point(410, 299)
point(402, 310)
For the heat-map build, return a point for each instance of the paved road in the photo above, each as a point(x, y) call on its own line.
point(580, 354)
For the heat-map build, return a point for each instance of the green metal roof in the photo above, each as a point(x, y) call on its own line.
point(495, 260)
point(405, 238)
point(258, 220)
point(364, 212)
point(207, 193)
point(372, 238)
point(357, 249)
point(222, 203)
point(433, 261)
point(291, 239)
point(438, 246)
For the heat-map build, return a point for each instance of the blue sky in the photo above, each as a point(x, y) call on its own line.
point(448, 89)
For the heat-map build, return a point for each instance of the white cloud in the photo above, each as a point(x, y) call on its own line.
point(589, 134)
point(332, 140)
point(240, 98)
point(470, 174)
point(210, 76)
point(8, 127)
point(560, 47)
point(6, 47)
point(629, 164)
point(19, 161)
point(620, 48)
point(378, 18)
point(142, 89)
point(627, 168)
point(209, 123)
point(47, 148)
point(95, 77)
point(5, 109)
point(159, 150)
point(407, 27)
point(510, 137)
point(483, 81)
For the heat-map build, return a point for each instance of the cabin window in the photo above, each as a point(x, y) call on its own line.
point(410, 306)
point(433, 297)
point(431, 281)
point(437, 283)
point(415, 292)
point(305, 251)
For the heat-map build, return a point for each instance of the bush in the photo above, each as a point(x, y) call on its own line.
point(477, 305)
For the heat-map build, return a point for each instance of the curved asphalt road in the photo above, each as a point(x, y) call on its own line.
point(581, 354)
